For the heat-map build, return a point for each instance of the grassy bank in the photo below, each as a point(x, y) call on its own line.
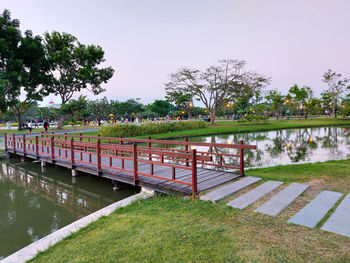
point(171, 229)
point(222, 127)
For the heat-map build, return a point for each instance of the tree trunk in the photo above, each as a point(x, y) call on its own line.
point(189, 114)
point(19, 117)
point(212, 115)
point(335, 109)
point(60, 122)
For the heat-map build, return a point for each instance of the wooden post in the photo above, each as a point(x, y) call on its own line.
point(98, 156)
point(52, 149)
point(42, 143)
point(186, 148)
point(37, 147)
point(65, 139)
point(150, 155)
point(24, 145)
point(121, 152)
point(72, 152)
point(5, 141)
point(134, 155)
point(241, 155)
point(81, 154)
point(194, 171)
point(14, 143)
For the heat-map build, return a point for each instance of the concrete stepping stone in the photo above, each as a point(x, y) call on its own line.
point(339, 221)
point(229, 189)
point(282, 199)
point(313, 212)
point(254, 195)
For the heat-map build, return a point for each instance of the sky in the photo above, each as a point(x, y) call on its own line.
point(293, 42)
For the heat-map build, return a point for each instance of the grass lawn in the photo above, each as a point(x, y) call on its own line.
point(235, 127)
point(171, 229)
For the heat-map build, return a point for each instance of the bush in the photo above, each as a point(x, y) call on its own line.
point(148, 128)
point(253, 118)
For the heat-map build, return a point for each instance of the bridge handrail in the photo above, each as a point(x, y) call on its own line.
point(149, 152)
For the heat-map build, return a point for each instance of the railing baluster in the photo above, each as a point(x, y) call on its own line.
point(52, 149)
point(134, 155)
point(121, 152)
point(194, 171)
point(5, 137)
point(24, 144)
point(241, 151)
point(81, 139)
point(37, 147)
point(98, 156)
point(149, 144)
point(186, 149)
point(14, 142)
point(72, 152)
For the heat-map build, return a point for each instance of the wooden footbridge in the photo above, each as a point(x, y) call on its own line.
point(163, 165)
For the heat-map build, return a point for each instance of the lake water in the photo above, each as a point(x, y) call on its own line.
point(286, 146)
point(35, 201)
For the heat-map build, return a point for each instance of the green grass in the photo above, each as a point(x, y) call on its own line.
point(234, 127)
point(171, 229)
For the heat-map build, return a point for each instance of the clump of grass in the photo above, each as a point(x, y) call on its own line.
point(131, 130)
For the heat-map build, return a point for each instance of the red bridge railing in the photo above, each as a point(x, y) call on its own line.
point(90, 150)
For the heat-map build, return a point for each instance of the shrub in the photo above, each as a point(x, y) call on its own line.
point(148, 128)
point(253, 118)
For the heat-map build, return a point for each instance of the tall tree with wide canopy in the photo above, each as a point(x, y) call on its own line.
point(75, 65)
point(24, 68)
point(217, 84)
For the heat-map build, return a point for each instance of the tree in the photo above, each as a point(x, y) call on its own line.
point(24, 68)
point(74, 65)
point(276, 100)
point(161, 107)
point(327, 101)
point(182, 101)
point(126, 108)
point(46, 113)
point(301, 97)
point(99, 109)
point(217, 84)
point(75, 109)
point(336, 87)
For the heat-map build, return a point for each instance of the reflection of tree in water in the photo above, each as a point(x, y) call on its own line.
point(291, 146)
point(331, 140)
point(301, 146)
point(250, 156)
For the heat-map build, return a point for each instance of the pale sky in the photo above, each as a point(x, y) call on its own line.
point(144, 41)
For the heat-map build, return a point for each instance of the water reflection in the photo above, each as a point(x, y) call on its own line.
point(285, 146)
point(35, 203)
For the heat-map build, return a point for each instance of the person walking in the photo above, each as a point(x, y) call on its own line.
point(8, 125)
point(30, 127)
point(46, 125)
point(36, 124)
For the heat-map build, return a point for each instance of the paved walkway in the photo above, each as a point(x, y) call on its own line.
point(309, 216)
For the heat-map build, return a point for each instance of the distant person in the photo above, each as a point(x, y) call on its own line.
point(46, 125)
point(9, 125)
point(36, 124)
point(30, 127)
